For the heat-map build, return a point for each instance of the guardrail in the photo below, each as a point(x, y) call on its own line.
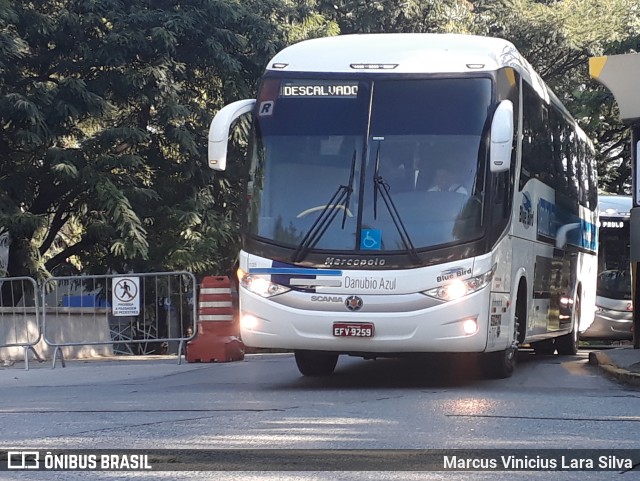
point(139, 313)
point(85, 316)
point(20, 326)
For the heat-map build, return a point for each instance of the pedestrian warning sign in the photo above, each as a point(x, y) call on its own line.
point(125, 296)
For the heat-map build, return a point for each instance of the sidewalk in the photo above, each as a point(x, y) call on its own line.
point(622, 363)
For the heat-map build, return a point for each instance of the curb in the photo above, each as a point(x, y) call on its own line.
point(599, 358)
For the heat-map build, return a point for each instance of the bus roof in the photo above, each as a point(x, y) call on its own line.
point(401, 53)
point(611, 205)
point(410, 53)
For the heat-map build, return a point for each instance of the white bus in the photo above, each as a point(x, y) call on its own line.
point(351, 247)
point(614, 307)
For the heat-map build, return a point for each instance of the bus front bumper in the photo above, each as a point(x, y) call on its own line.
point(444, 328)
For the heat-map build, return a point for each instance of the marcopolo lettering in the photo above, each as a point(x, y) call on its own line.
point(350, 262)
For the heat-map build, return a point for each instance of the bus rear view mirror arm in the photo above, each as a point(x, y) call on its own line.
point(219, 131)
point(502, 137)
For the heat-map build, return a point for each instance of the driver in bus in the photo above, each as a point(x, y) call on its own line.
point(445, 180)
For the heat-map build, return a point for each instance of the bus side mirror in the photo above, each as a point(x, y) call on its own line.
point(219, 131)
point(501, 137)
point(562, 233)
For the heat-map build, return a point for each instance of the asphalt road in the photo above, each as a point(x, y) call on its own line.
point(263, 402)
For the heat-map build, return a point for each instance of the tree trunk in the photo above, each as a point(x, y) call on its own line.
point(22, 262)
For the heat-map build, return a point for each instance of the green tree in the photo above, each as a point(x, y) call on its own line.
point(601, 110)
point(558, 37)
point(104, 108)
point(387, 16)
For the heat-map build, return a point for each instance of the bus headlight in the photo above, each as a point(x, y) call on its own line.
point(460, 288)
point(470, 326)
point(260, 285)
point(248, 322)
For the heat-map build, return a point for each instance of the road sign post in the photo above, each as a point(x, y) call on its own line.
point(635, 233)
point(620, 74)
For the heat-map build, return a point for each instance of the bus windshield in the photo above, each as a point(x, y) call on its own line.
point(416, 141)
point(614, 276)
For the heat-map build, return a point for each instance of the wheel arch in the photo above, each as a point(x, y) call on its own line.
point(578, 298)
point(521, 302)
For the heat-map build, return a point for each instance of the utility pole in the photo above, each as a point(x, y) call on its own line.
point(621, 75)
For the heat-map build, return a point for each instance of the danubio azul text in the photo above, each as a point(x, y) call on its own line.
point(370, 283)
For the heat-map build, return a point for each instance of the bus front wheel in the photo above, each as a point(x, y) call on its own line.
point(499, 364)
point(312, 363)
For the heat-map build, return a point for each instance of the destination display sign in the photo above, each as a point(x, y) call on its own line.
point(315, 88)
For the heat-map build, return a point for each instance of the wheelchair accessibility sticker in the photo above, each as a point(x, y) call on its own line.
point(371, 240)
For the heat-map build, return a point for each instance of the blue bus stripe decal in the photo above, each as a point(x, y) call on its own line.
point(294, 271)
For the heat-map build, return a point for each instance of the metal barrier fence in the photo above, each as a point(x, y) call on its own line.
point(120, 313)
point(20, 326)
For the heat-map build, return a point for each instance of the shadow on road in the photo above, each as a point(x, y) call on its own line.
point(435, 371)
point(424, 371)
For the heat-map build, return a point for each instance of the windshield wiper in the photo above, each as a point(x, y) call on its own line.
point(341, 198)
point(380, 185)
point(347, 201)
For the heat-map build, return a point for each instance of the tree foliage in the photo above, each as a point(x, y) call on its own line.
point(380, 16)
point(558, 37)
point(104, 108)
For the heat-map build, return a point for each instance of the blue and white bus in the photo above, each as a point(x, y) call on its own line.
point(354, 244)
point(614, 307)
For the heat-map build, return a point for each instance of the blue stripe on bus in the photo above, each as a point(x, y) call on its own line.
point(551, 216)
point(294, 271)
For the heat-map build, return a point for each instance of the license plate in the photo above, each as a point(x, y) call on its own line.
point(353, 330)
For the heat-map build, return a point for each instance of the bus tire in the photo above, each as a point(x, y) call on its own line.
point(501, 364)
point(567, 345)
point(315, 364)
